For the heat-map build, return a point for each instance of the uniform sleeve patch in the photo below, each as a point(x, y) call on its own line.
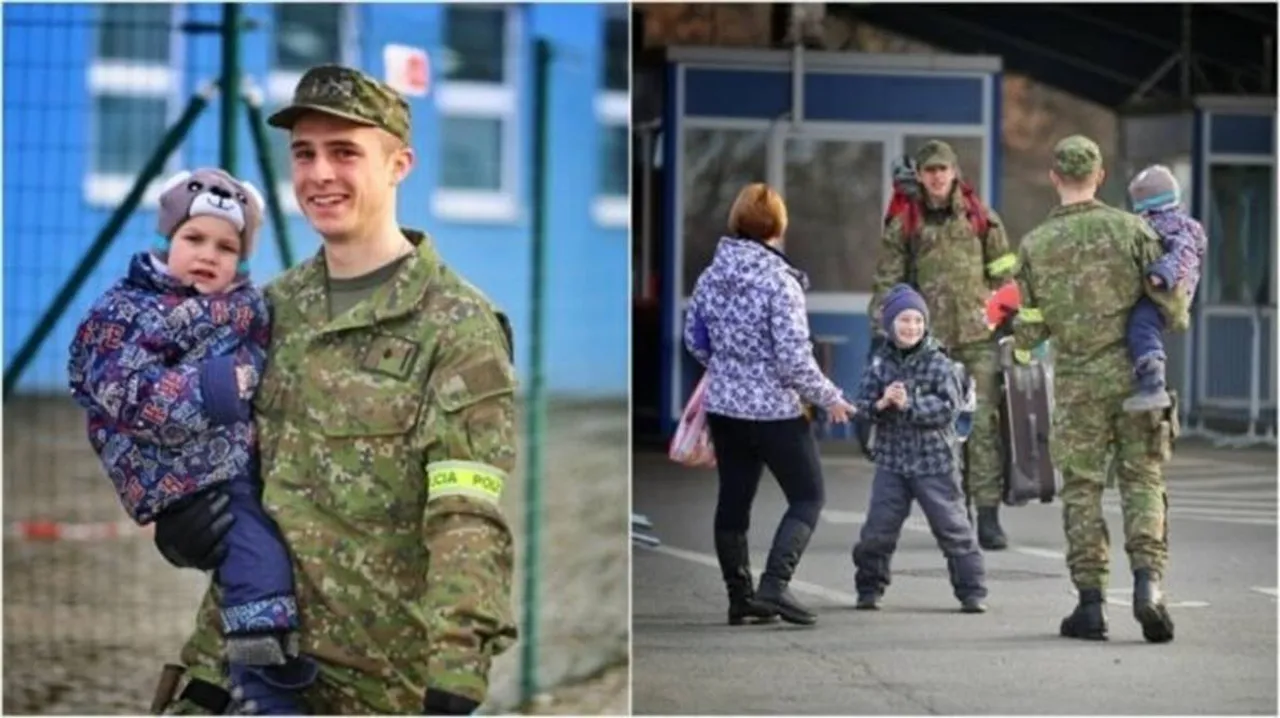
point(465, 478)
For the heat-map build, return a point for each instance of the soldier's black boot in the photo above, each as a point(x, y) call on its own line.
point(735, 566)
point(1089, 620)
point(990, 536)
point(788, 546)
point(1149, 608)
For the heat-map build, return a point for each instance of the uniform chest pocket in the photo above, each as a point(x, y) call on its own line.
point(356, 404)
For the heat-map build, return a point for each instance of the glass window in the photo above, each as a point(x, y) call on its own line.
point(138, 32)
point(968, 149)
point(835, 202)
point(617, 40)
point(472, 153)
point(1240, 235)
point(717, 163)
point(307, 34)
point(614, 160)
point(128, 129)
point(477, 43)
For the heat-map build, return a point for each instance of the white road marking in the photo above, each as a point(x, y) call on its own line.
point(812, 589)
point(1267, 591)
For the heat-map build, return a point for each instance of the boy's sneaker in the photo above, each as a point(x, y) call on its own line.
point(868, 602)
point(1151, 394)
point(973, 605)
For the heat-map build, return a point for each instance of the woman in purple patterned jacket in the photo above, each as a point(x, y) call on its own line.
point(747, 325)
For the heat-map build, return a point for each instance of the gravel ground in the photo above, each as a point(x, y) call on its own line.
point(87, 625)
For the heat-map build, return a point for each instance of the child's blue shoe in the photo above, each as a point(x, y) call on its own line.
point(868, 602)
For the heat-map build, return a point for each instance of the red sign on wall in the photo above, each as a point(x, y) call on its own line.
point(408, 69)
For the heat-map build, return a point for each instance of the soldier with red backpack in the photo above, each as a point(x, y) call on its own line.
point(940, 238)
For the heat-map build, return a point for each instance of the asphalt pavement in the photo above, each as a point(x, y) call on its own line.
point(919, 655)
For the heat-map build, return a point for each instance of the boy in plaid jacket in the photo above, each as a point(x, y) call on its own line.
point(913, 393)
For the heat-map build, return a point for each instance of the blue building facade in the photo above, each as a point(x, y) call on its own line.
point(823, 128)
point(89, 91)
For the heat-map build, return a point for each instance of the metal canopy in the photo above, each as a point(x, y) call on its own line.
point(1120, 56)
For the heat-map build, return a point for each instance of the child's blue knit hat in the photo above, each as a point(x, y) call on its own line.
point(1154, 188)
point(899, 299)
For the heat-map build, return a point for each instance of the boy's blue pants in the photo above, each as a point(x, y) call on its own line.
point(942, 501)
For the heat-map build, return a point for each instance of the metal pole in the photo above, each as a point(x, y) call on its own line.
point(536, 401)
point(647, 137)
point(253, 107)
point(1186, 51)
point(230, 86)
point(1268, 63)
point(89, 262)
point(1255, 370)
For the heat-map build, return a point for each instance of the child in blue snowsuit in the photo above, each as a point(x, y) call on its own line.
point(165, 364)
point(914, 394)
point(1157, 198)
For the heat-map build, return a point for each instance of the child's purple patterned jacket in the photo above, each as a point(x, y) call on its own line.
point(154, 366)
point(1184, 243)
point(746, 324)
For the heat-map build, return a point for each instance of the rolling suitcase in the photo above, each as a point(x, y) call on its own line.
point(1026, 408)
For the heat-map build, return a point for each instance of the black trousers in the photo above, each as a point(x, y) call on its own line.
point(744, 448)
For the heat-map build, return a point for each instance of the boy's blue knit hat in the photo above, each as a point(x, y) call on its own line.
point(899, 299)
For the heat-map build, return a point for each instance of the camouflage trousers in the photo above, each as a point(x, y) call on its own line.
point(1094, 436)
point(985, 475)
point(337, 690)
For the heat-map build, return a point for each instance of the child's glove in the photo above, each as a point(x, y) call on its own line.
point(1003, 305)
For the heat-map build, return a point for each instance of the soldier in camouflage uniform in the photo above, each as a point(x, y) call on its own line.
point(386, 423)
point(954, 250)
point(1080, 272)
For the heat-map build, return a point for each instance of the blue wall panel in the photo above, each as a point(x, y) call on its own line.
point(736, 93)
point(48, 223)
point(899, 99)
point(1242, 134)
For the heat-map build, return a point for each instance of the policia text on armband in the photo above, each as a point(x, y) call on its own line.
point(465, 478)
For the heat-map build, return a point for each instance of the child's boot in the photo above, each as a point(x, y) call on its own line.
point(968, 579)
point(868, 601)
point(271, 690)
point(1151, 393)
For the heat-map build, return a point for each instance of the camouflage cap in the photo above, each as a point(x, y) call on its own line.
point(350, 94)
point(1076, 156)
point(935, 153)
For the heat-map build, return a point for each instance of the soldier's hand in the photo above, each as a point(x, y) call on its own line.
point(190, 533)
point(443, 703)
